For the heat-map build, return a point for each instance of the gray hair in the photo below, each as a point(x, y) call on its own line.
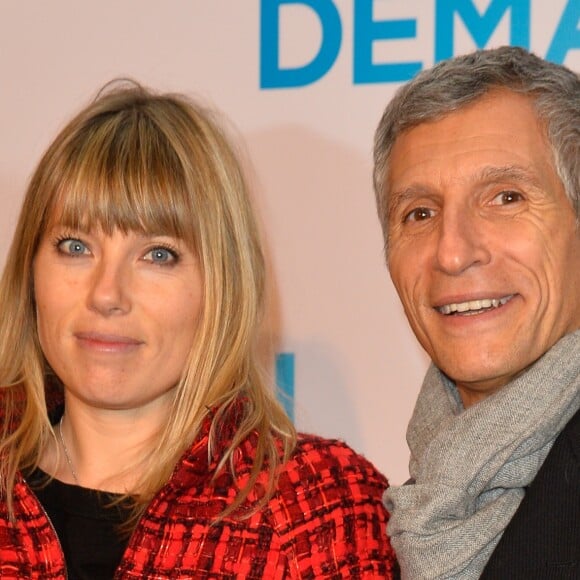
point(454, 83)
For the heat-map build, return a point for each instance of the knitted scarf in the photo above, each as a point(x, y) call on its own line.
point(469, 467)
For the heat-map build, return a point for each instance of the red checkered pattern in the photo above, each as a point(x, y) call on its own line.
point(325, 520)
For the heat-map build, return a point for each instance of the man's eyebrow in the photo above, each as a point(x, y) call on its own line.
point(517, 173)
point(400, 196)
point(487, 175)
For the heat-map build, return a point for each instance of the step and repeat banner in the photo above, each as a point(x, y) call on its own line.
point(303, 84)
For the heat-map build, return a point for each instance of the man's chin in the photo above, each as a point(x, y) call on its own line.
point(479, 375)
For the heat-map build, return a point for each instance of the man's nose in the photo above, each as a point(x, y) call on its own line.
point(462, 242)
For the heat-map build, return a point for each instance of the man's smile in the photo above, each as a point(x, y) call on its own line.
point(471, 307)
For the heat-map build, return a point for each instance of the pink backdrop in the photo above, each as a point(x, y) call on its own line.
point(358, 368)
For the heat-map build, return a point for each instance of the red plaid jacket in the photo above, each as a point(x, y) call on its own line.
point(325, 520)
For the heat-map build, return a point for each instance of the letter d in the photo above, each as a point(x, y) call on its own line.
point(271, 75)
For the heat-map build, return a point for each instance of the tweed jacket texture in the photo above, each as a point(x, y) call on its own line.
point(325, 520)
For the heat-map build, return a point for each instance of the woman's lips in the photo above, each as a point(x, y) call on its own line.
point(107, 342)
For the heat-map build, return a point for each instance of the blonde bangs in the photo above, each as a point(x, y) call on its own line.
point(122, 173)
point(134, 161)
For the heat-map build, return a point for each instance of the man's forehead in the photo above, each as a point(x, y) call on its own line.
point(498, 134)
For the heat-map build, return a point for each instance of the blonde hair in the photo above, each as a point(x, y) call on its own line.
point(138, 161)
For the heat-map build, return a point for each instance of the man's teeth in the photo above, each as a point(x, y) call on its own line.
point(474, 305)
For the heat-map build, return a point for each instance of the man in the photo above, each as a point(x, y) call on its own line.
point(478, 190)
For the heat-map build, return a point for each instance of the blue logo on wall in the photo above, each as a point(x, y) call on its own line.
point(285, 381)
point(368, 31)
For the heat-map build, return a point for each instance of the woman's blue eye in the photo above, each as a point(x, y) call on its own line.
point(72, 247)
point(161, 256)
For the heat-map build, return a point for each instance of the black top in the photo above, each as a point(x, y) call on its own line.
point(87, 524)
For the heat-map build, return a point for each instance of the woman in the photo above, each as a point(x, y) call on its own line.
point(139, 438)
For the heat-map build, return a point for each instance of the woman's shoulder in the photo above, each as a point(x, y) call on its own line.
point(328, 513)
point(325, 458)
point(329, 468)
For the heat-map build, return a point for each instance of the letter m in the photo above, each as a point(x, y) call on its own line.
point(480, 26)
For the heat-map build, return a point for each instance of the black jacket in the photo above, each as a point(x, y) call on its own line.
point(542, 541)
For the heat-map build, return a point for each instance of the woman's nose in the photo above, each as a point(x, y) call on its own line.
point(109, 291)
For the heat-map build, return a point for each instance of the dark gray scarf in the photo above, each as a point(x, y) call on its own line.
point(470, 466)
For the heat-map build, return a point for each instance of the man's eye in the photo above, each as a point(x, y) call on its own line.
point(72, 247)
point(418, 214)
point(161, 255)
point(506, 197)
